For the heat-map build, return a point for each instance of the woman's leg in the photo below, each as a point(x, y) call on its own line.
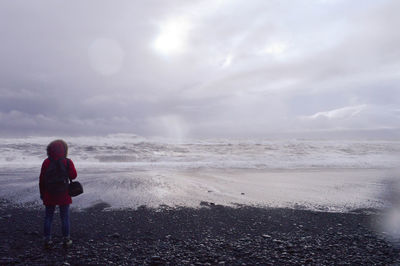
point(64, 214)
point(48, 219)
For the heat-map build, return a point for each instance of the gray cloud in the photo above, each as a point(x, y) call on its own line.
point(199, 68)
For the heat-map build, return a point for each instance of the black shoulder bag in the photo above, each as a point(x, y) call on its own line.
point(74, 188)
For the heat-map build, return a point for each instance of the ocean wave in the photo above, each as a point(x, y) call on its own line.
point(138, 151)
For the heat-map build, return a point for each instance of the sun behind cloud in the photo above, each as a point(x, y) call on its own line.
point(275, 48)
point(172, 38)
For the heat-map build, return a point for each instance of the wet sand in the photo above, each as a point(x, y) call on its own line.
point(338, 190)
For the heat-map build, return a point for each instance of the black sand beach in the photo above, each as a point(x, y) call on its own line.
point(210, 235)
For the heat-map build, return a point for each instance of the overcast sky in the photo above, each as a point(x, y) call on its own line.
point(209, 68)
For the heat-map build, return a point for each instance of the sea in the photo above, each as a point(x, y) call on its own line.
point(128, 171)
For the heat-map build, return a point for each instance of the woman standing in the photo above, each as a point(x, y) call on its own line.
point(53, 184)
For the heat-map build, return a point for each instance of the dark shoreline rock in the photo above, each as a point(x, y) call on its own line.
point(211, 235)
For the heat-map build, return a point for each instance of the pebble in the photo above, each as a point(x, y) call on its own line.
point(6, 260)
point(34, 233)
point(115, 235)
point(204, 236)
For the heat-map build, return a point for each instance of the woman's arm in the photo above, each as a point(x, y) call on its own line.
point(71, 170)
point(41, 178)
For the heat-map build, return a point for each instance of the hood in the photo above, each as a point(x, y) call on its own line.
point(57, 149)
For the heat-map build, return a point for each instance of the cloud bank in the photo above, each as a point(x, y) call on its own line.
point(200, 68)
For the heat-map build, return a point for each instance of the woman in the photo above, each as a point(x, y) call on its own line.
point(51, 194)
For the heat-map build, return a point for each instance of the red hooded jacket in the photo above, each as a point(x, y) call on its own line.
point(56, 151)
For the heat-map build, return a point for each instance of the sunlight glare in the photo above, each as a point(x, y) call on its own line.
point(172, 38)
point(228, 61)
point(276, 48)
point(106, 56)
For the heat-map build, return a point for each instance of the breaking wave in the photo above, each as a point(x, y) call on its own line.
point(135, 151)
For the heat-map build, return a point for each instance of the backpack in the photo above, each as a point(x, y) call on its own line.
point(56, 177)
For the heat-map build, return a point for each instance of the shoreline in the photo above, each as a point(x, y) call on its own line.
point(210, 235)
point(316, 189)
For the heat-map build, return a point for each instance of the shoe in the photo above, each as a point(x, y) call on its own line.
point(48, 244)
point(67, 242)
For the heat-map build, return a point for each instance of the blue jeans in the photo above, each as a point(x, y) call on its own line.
point(64, 215)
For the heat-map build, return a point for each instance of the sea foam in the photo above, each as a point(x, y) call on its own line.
point(129, 171)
